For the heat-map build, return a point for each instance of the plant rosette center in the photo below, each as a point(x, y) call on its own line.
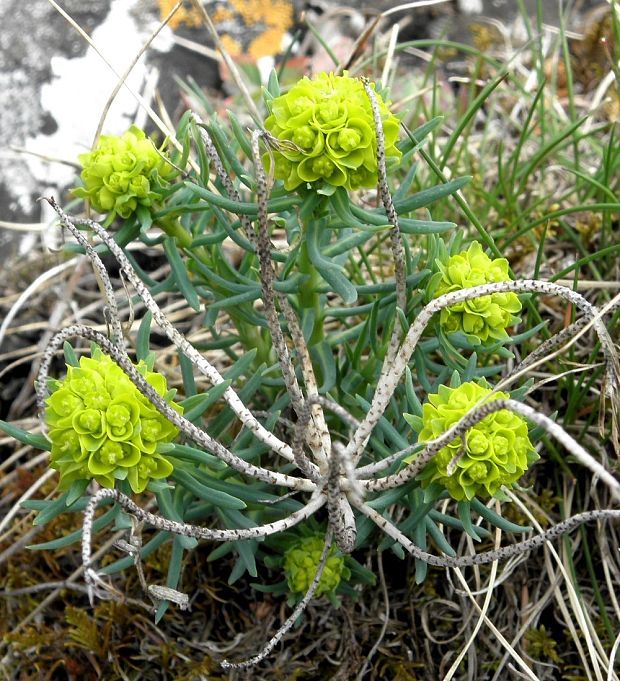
point(494, 452)
point(329, 121)
point(301, 561)
point(103, 428)
point(484, 319)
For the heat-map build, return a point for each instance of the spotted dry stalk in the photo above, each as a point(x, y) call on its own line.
point(391, 375)
point(316, 433)
point(329, 476)
point(398, 251)
point(292, 618)
point(177, 338)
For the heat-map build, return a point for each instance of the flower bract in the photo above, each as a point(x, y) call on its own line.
point(301, 561)
point(485, 318)
point(328, 128)
point(122, 173)
point(103, 428)
point(496, 451)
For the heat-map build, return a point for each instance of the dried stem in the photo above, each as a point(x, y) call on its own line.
point(290, 621)
point(475, 416)
point(392, 373)
point(266, 280)
point(318, 436)
point(112, 315)
point(224, 177)
point(487, 556)
point(185, 529)
point(341, 518)
point(185, 426)
point(398, 252)
point(181, 343)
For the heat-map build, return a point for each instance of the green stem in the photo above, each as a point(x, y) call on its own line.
point(172, 227)
point(309, 296)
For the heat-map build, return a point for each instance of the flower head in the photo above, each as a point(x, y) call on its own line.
point(301, 561)
point(496, 451)
point(329, 121)
point(485, 318)
point(121, 173)
point(102, 427)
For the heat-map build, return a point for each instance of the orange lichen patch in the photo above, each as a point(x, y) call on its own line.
point(231, 46)
point(221, 14)
point(276, 15)
point(266, 44)
point(189, 17)
point(269, 18)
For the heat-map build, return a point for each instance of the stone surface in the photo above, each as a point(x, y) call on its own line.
point(54, 86)
point(32, 33)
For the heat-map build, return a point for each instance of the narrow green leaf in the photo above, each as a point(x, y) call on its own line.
point(51, 510)
point(430, 195)
point(277, 205)
point(144, 334)
point(179, 271)
point(419, 134)
point(334, 274)
point(465, 518)
point(174, 574)
point(273, 86)
point(421, 568)
point(242, 366)
point(496, 519)
point(232, 301)
point(187, 371)
point(247, 549)
point(75, 491)
point(323, 357)
point(225, 148)
point(241, 491)
point(70, 356)
point(414, 404)
point(240, 135)
point(187, 453)
point(203, 491)
point(169, 510)
point(36, 440)
point(145, 218)
point(74, 537)
point(438, 537)
point(194, 407)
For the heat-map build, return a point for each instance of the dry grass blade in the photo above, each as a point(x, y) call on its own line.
point(42, 279)
point(595, 656)
point(482, 612)
point(26, 495)
point(496, 632)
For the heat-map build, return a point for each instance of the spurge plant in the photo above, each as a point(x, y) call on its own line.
point(324, 315)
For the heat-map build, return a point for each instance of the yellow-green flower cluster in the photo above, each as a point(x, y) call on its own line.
point(122, 173)
point(329, 121)
point(485, 318)
point(496, 451)
point(301, 561)
point(103, 428)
